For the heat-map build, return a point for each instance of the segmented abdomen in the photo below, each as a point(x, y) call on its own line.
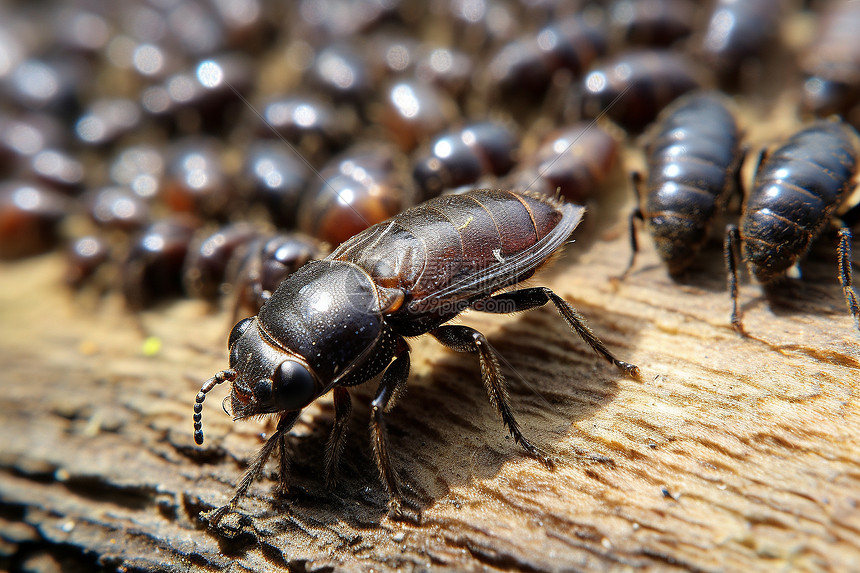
point(796, 192)
point(692, 161)
point(455, 249)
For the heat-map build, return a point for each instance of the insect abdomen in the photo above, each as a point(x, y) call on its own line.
point(796, 192)
point(452, 235)
point(691, 163)
point(451, 239)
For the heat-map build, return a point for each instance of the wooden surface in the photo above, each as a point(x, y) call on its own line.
point(730, 454)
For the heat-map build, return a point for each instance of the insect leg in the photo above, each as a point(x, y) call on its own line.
point(526, 299)
point(392, 384)
point(285, 422)
point(465, 339)
point(731, 253)
point(763, 154)
point(342, 409)
point(844, 251)
point(283, 465)
point(634, 244)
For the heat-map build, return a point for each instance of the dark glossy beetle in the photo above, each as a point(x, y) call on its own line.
point(693, 155)
point(649, 81)
point(341, 321)
point(208, 258)
point(463, 156)
point(30, 218)
point(738, 33)
point(573, 161)
point(362, 187)
point(656, 23)
point(258, 267)
point(152, 269)
point(797, 190)
point(831, 64)
point(522, 71)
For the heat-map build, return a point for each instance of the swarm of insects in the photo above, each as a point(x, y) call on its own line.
point(187, 156)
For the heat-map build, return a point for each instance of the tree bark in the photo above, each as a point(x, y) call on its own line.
point(730, 453)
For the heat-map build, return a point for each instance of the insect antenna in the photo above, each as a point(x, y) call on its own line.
point(201, 395)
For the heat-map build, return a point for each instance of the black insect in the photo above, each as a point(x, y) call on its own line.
point(341, 321)
point(30, 218)
point(648, 80)
point(246, 261)
point(523, 70)
point(258, 267)
point(152, 269)
point(208, 258)
point(572, 161)
point(464, 156)
point(739, 32)
point(651, 22)
point(797, 190)
point(693, 155)
point(831, 64)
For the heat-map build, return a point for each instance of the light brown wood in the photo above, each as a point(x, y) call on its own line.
point(730, 453)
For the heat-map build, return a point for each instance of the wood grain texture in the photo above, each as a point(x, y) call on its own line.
point(730, 454)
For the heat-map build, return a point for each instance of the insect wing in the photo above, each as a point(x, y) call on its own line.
point(505, 271)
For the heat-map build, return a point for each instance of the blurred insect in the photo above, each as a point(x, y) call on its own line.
point(247, 262)
point(30, 217)
point(831, 64)
point(273, 178)
point(311, 123)
point(738, 33)
point(693, 156)
point(116, 208)
point(362, 187)
point(797, 190)
point(195, 181)
point(341, 71)
point(84, 258)
point(152, 269)
point(572, 161)
point(414, 110)
point(651, 78)
point(259, 266)
point(342, 321)
point(463, 157)
point(206, 264)
point(656, 23)
point(524, 69)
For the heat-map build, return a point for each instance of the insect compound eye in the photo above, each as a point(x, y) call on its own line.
point(238, 331)
point(293, 386)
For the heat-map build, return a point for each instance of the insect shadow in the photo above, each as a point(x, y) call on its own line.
point(705, 273)
point(816, 292)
